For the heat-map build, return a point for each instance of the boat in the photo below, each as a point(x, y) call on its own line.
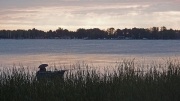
point(42, 73)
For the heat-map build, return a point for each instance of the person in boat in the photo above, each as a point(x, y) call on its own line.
point(42, 71)
point(43, 74)
point(42, 67)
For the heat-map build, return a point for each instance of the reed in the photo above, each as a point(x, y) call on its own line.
point(124, 83)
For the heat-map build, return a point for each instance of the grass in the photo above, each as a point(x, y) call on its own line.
point(125, 83)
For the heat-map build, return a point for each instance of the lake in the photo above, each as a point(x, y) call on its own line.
point(33, 52)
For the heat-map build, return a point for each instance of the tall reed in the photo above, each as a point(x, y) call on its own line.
point(124, 83)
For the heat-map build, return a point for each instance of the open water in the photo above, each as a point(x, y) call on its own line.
point(33, 52)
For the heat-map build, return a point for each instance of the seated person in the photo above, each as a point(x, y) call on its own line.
point(42, 69)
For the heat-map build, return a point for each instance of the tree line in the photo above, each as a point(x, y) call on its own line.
point(95, 33)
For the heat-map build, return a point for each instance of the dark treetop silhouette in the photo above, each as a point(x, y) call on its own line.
point(95, 33)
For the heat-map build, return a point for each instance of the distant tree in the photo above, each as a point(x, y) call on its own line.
point(59, 32)
point(154, 32)
point(119, 33)
point(110, 31)
point(163, 28)
point(81, 33)
point(95, 33)
point(136, 33)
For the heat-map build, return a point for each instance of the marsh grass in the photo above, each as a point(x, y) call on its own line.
point(124, 83)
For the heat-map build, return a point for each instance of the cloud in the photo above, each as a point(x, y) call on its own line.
point(85, 3)
point(163, 7)
point(73, 14)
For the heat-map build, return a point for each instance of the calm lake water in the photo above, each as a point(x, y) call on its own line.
point(94, 52)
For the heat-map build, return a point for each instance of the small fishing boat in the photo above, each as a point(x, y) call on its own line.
point(42, 73)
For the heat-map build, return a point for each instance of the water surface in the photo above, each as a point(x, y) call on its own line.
point(95, 52)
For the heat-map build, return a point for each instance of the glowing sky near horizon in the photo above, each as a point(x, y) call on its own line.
point(74, 14)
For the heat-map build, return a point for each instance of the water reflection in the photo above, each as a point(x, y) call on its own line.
point(96, 60)
point(99, 53)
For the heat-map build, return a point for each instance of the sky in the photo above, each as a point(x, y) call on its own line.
point(73, 14)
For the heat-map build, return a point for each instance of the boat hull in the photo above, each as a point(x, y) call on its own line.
point(50, 74)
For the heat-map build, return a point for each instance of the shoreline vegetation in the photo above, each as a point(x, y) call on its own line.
point(125, 83)
point(93, 33)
